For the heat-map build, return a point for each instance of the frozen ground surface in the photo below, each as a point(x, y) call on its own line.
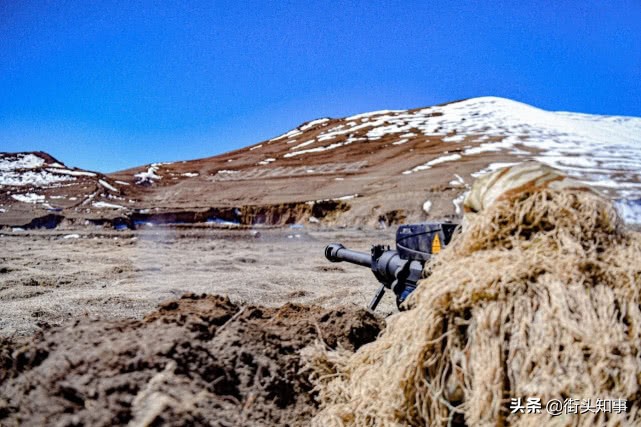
point(47, 279)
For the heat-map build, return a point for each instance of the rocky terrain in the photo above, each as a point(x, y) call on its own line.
point(373, 169)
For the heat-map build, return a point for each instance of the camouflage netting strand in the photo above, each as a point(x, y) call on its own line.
point(538, 297)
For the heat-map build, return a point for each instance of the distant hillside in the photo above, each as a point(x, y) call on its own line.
point(373, 169)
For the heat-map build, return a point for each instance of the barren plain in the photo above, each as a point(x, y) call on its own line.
point(48, 277)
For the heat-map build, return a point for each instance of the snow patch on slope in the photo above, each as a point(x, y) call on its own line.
point(313, 123)
point(29, 198)
point(292, 133)
point(438, 160)
point(458, 202)
point(71, 172)
point(107, 185)
point(323, 148)
point(267, 161)
point(629, 210)
point(493, 167)
point(40, 178)
point(19, 170)
point(570, 142)
point(106, 205)
point(20, 161)
point(150, 175)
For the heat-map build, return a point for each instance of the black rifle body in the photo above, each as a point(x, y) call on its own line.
point(398, 269)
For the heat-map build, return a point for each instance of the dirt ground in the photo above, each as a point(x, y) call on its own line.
point(197, 360)
point(174, 326)
point(49, 277)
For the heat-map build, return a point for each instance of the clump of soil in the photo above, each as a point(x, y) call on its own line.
point(198, 360)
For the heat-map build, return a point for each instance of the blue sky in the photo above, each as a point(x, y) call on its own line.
point(112, 84)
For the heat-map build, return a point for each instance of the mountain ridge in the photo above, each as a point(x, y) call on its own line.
point(376, 168)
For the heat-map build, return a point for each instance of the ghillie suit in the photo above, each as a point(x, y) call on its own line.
point(538, 297)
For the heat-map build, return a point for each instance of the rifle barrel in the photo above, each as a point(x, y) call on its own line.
point(337, 253)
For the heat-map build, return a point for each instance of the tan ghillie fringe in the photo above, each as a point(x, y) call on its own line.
point(538, 297)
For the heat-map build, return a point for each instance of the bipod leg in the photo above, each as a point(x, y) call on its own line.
point(377, 298)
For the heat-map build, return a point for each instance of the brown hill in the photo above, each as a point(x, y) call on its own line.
point(37, 190)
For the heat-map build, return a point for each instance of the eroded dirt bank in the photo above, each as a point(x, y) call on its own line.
point(197, 360)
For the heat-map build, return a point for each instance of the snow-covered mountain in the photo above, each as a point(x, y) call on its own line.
point(602, 150)
point(375, 168)
point(35, 189)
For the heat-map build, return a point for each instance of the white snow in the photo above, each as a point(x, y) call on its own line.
point(2, 210)
point(458, 181)
point(324, 148)
point(267, 161)
point(303, 144)
point(571, 142)
point(39, 178)
point(29, 198)
point(313, 123)
point(18, 170)
point(454, 138)
point(438, 160)
point(372, 113)
point(444, 159)
point(71, 236)
point(492, 167)
point(107, 185)
point(106, 205)
point(427, 206)
point(510, 124)
point(629, 210)
point(20, 161)
point(569, 162)
point(458, 201)
point(149, 175)
point(567, 141)
point(292, 133)
point(349, 197)
point(189, 174)
point(122, 183)
point(491, 147)
point(605, 150)
point(71, 172)
point(255, 147)
point(89, 198)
